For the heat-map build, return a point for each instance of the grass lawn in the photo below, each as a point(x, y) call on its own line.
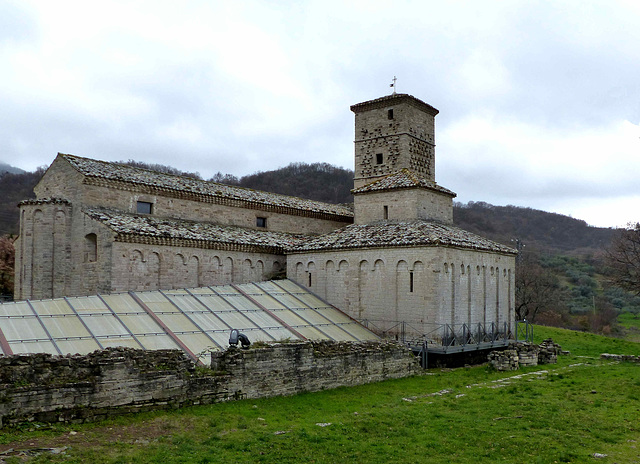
point(559, 413)
point(631, 324)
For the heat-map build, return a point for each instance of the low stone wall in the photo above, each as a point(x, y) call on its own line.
point(523, 354)
point(620, 357)
point(117, 381)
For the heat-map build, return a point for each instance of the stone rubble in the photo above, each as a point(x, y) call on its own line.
point(521, 354)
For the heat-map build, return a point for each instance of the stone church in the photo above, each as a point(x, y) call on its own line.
point(101, 227)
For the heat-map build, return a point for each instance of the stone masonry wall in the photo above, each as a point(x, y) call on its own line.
point(450, 285)
point(403, 204)
point(117, 381)
point(405, 140)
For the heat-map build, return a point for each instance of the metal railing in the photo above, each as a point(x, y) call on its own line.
point(451, 338)
point(451, 335)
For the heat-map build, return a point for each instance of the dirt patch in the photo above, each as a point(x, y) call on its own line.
point(95, 437)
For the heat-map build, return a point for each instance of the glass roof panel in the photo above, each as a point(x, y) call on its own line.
point(201, 291)
point(208, 321)
point(240, 302)
point(187, 304)
point(19, 308)
point(226, 290)
point(222, 338)
point(290, 286)
point(39, 346)
point(198, 342)
point(311, 333)
point(235, 319)
point(261, 318)
point(178, 322)
point(158, 342)
point(311, 316)
point(61, 327)
point(358, 331)
point(289, 300)
point(176, 291)
point(119, 341)
point(88, 305)
point(311, 300)
point(27, 328)
point(279, 335)
point(336, 333)
point(268, 302)
point(105, 325)
point(141, 324)
point(80, 346)
point(334, 316)
point(215, 302)
point(46, 307)
point(122, 303)
point(157, 302)
point(269, 286)
point(289, 317)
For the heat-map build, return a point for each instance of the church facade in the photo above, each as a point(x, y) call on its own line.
point(99, 227)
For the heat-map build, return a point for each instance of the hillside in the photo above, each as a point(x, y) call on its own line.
point(4, 167)
point(537, 230)
point(15, 187)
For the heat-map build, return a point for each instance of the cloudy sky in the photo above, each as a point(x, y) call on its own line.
point(539, 100)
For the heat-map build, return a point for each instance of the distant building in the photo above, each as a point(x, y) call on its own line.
point(99, 227)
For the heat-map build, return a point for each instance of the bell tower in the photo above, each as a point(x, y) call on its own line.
point(393, 133)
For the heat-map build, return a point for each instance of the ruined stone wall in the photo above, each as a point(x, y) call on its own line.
point(452, 286)
point(122, 380)
point(403, 205)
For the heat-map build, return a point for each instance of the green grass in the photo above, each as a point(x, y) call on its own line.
point(631, 324)
point(546, 414)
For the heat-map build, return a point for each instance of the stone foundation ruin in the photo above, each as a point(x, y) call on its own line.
point(45, 388)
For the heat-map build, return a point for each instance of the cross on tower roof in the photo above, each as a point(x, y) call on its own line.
point(393, 84)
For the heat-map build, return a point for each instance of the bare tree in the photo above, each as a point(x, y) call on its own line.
point(537, 288)
point(623, 258)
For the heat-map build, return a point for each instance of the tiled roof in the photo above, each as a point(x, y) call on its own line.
point(394, 99)
point(400, 180)
point(133, 175)
point(143, 228)
point(44, 201)
point(400, 234)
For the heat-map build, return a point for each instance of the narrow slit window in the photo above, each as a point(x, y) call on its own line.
point(144, 207)
point(410, 281)
point(390, 114)
point(90, 248)
point(309, 280)
point(261, 222)
point(379, 158)
point(385, 212)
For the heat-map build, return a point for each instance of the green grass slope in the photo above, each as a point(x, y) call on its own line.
point(569, 412)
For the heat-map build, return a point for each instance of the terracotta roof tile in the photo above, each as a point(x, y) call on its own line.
point(400, 180)
point(44, 201)
point(155, 227)
point(123, 173)
point(400, 234)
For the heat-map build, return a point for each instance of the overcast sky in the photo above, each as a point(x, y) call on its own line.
point(539, 100)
